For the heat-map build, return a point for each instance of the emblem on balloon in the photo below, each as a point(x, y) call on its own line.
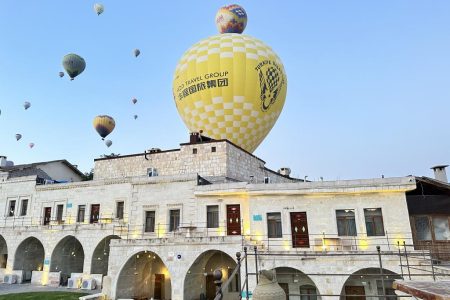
point(230, 86)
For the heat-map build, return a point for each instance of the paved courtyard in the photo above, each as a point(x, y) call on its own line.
point(27, 287)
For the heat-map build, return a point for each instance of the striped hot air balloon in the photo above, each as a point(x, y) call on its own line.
point(104, 125)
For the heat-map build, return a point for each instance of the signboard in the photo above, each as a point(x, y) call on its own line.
point(69, 205)
point(46, 261)
point(257, 218)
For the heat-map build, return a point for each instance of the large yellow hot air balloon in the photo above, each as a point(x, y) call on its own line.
point(104, 125)
point(230, 86)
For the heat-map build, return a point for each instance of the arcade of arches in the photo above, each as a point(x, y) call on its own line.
point(67, 258)
point(29, 257)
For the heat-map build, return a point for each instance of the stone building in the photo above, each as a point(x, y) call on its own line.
point(155, 225)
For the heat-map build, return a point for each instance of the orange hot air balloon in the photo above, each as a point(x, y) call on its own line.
point(104, 125)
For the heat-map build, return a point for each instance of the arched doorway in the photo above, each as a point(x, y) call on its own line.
point(199, 281)
point(144, 276)
point(29, 257)
point(296, 284)
point(67, 258)
point(100, 258)
point(3, 253)
point(368, 282)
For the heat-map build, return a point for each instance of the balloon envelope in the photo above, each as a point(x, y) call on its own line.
point(73, 64)
point(31, 145)
point(18, 136)
point(104, 125)
point(134, 100)
point(231, 19)
point(108, 143)
point(136, 52)
point(26, 105)
point(231, 86)
point(99, 8)
point(135, 117)
point(61, 74)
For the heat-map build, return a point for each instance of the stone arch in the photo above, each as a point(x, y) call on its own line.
point(368, 282)
point(29, 257)
point(67, 258)
point(295, 283)
point(3, 252)
point(100, 257)
point(144, 275)
point(199, 279)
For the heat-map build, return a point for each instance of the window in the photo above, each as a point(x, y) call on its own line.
point(212, 216)
point(174, 219)
point(194, 150)
point(374, 221)
point(95, 213)
point(152, 172)
point(149, 221)
point(346, 222)
point(59, 213)
point(24, 207)
point(119, 210)
point(422, 226)
point(274, 225)
point(12, 208)
point(213, 149)
point(81, 212)
point(266, 180)
point(308, 292)
point(441, 229)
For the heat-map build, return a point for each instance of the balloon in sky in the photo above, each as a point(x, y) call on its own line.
point(61, 74)
point(231, 19)
point(18, 136)
point(135, 117)
point(99, 8)
point(31, 145)
point(232, 87)
point(26, 105)
point(108, 143)
point(136, 52)
point(134, 100)
point(104, 125)
point(73, 64)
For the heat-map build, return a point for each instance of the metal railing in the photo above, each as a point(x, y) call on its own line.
point(408, 271)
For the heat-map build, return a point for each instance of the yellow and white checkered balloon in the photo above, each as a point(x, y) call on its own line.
point(231, 86)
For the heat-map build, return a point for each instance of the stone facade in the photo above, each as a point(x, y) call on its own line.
point(164, 235)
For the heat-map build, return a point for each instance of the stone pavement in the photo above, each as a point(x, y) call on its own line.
point(27, 287)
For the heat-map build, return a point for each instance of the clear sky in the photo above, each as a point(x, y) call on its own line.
point(368, 81)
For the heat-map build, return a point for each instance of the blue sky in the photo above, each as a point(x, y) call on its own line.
point(368, 82)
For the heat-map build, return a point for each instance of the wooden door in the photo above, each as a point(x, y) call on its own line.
point(95, 213)
point(158, 291)
point(234, 219)
point(210, 287)
point(357, 292)
point(299, 230)
point(285, 287)
point(47, 215)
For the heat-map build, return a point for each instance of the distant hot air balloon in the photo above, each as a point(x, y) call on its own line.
point(18, 136)
point(99, 8)
point(232, 87)
point(108, 143)
point(134, 100)
point(231, 19)
point(104, 125)
point(26, 105)
point(61, 74)
point(136, 52)
point(135, 117)
point(73, 64)
point(31, 145)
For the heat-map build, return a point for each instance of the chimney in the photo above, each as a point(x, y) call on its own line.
point(439, 173)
